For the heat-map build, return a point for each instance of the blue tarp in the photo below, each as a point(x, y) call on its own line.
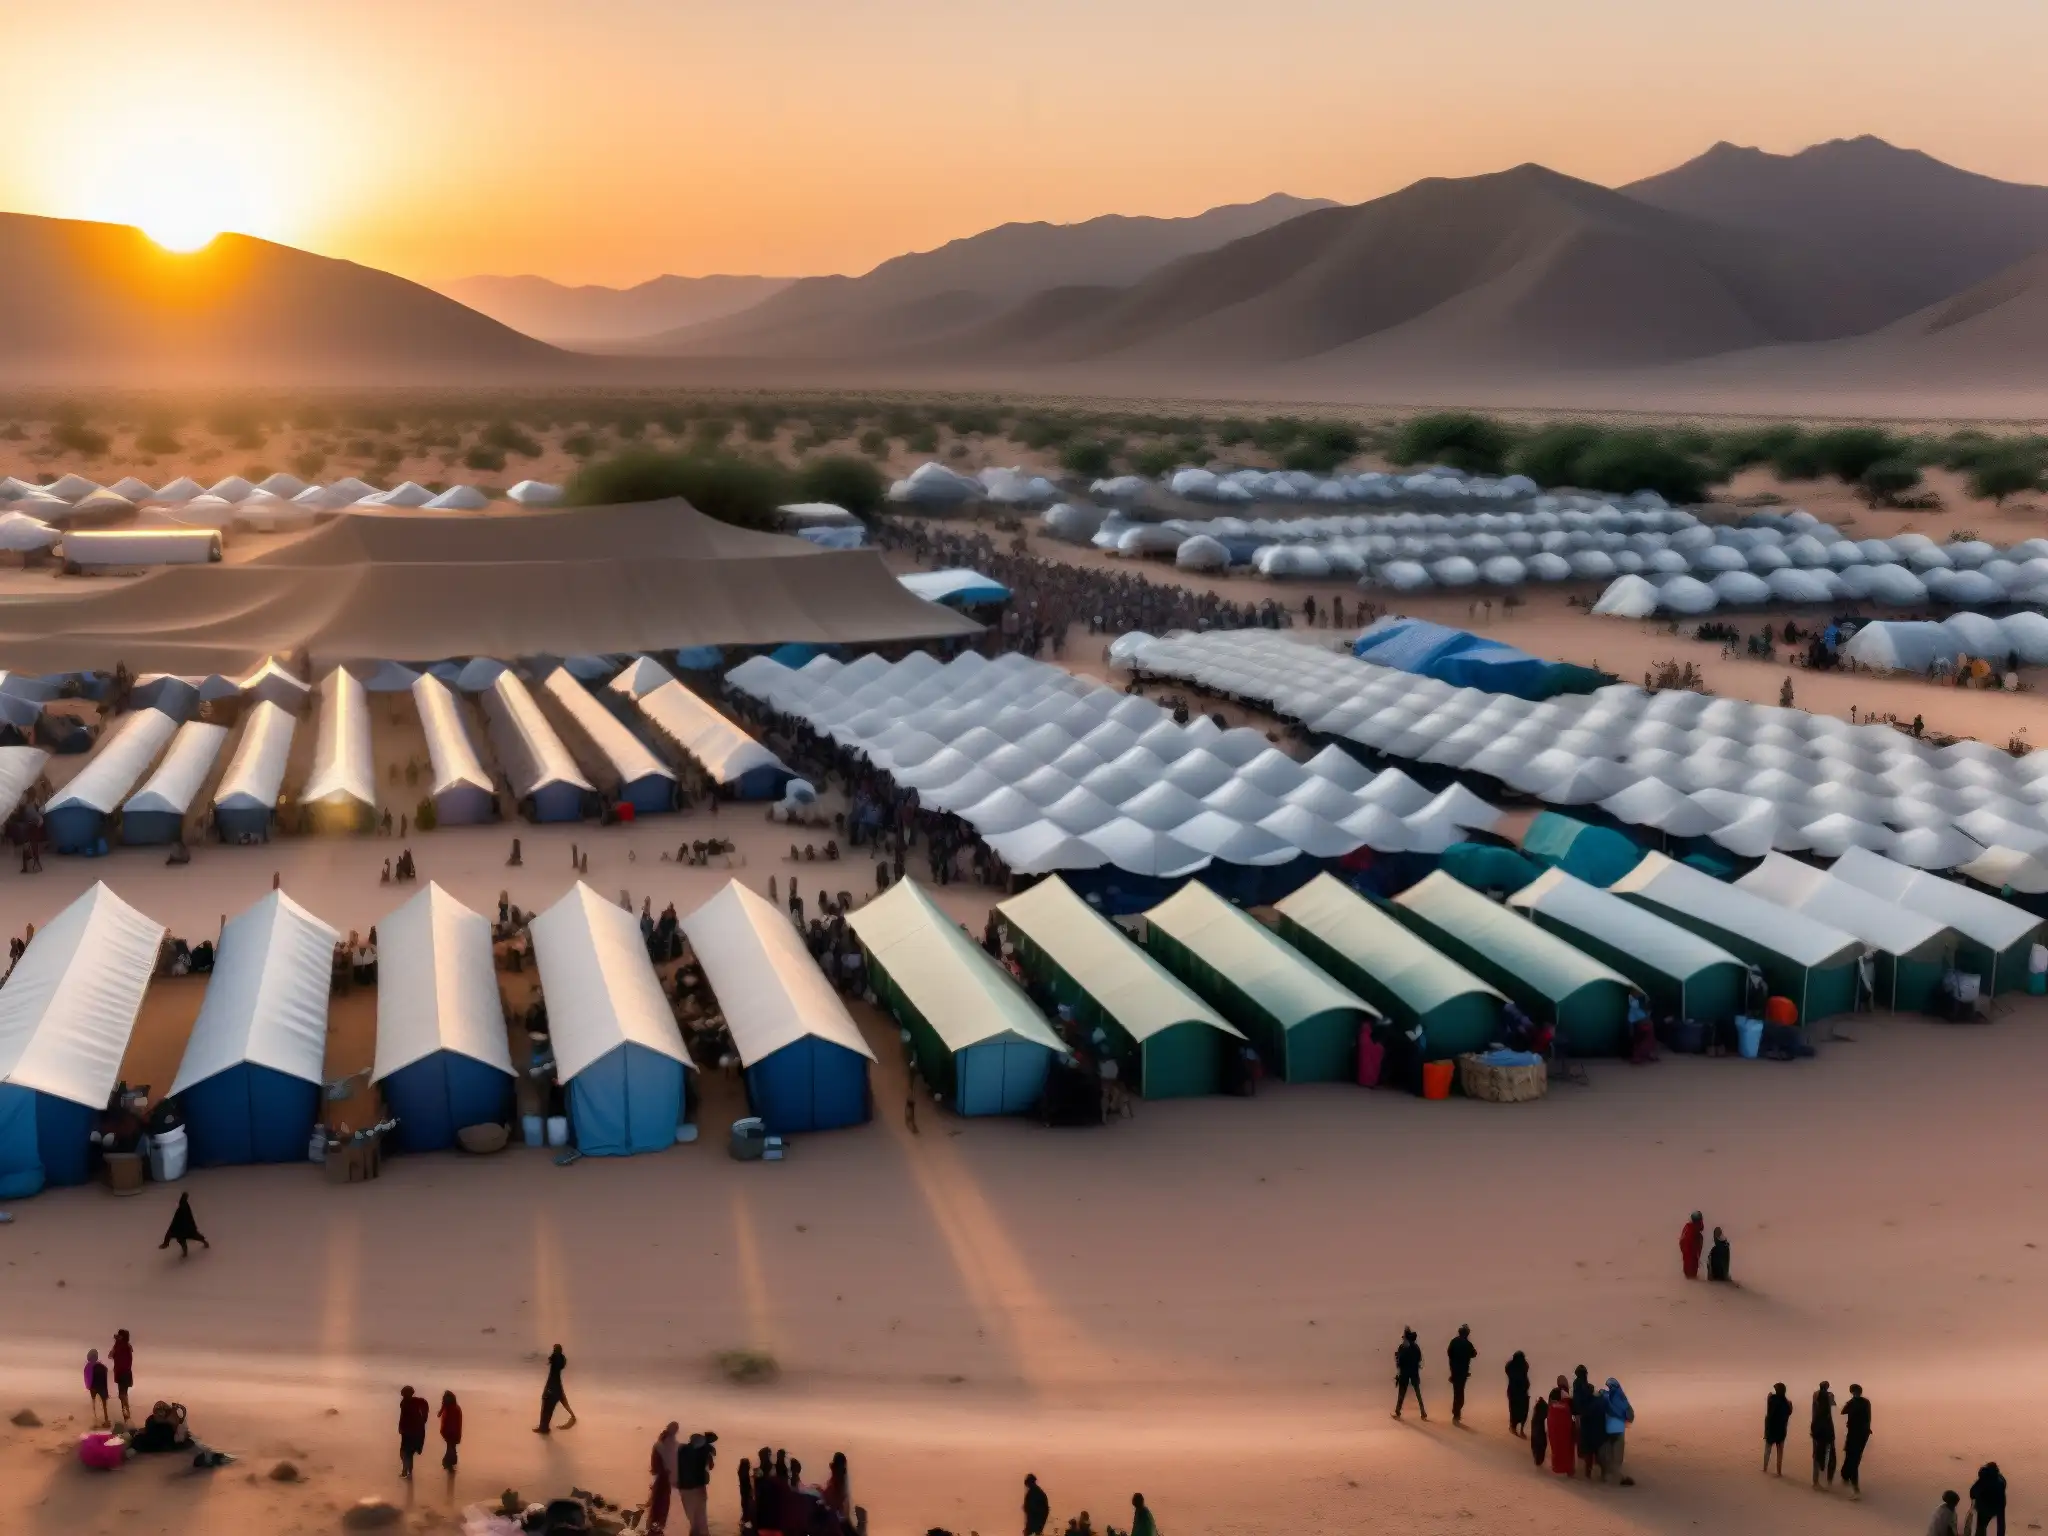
point(628, 1100)
point(1597, 855)
point(249, 1114)
point(43, 1140)
point(809, 1085)
point(441, 1093)
point(700, 658)
point(1466, 660)
point(797, 654)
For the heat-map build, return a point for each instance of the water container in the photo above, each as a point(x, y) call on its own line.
point(558, 1130)
point(316, 1145)
point(685, 1133)
point(533, 1130)
point(1749, 1036)
point(167, 1153)
point(1436, 1078)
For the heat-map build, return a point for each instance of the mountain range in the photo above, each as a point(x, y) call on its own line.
point(1853, 270)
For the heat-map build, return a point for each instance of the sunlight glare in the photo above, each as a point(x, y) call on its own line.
point(181, 182)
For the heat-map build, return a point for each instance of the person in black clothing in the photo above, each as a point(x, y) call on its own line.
point(693, 1479)
point(1408, 1374)
point(1518, 1392)
point(1037, 1507)
point(1823, 1431)
point(1856, 1426)
point(1719, 1260)
point(412, 1428)
point(1539, 1432)
point(1462, 1353)
point(184, 1229)
point(1777, 1425)
point(1987, 1499)
point(1589, 1414)
point(552, 1396)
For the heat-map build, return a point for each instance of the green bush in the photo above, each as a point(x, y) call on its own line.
point(1846, 452)
point(77, 437)
point(711, 432)
point(1315, 457)
point(1479, 445)
point(307, 465)
point(484, 456)
point(2000, 474)
point(1159, 459)
point(1620, 462)
point(1233, 430)
point(740, 491)
point(506, 437)
point(1550, 455)
point(579, 445)
point(1085, 458)
point(1887, 480)
point(1750, 446)
point(875, 443)
point(845, 481)
point(1042, 433)
point(923, 440)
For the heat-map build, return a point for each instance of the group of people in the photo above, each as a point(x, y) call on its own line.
point(108, 1380)
point(413, 1416)
point(1821, 1429)
point(1692, 1241)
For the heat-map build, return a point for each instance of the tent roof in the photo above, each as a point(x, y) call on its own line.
point(67, 1011)
point(1419, 975)
point(255, 773)
point(1880, 923)
point(266, 1002)
point(722, 748)
point(1542, 959)
point(601, 988)
point(1637, 931)
point(627, 753)
point(20, 767)
point(2026, 873)
point(958, 987)
point(767, 985)
point(121, 760)
point(642, 675)
point(1134, 989)
point(1997, 925)
point(961, 586)
point(1681, 888)
point(542, 759)
point(343, 767)
point(178, 778)
point(437, 986)
point(1279, 978)
point(449, 748)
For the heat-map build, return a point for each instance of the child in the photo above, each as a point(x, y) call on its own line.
point(96, 1388)
point(122, 1358)
point(451, 1428)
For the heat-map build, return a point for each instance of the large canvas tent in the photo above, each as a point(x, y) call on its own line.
point(442, 1059)
point(341, 791)
point(65, 1017)
point(1597, 855)
point(1304, 1023)
point(610, 754)
point(1587, 1001)
point(1808, 961)
point(156, 812)
point(76, 816)
point(461, 789)
point(1390, 967)
point(805, 1062)
point(735, 761)
point(617, 1048)
point(1912, 952)
point(250, 1081)
point(245, 800)
point(545, 779)
point(979, 1040)
point(1169, 1042)
point(1996, 935)
point(1683, 975)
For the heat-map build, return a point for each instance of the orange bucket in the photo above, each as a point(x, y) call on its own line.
point(1436, 1079)
point(1781, 1010)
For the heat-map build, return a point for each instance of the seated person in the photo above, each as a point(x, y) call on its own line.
point(831, 850)
point(164, 1430)
point(810, 853)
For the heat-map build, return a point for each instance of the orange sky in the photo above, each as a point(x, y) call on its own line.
point(611, 140)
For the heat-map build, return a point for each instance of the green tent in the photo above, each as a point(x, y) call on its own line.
point(1168, 1042)
point(1304, 1023)
point(1996, 936)
point(1597, 855)
point(1379, 959)
point(1681, 973)
point(978, 1039)
point(1585, 999)
point(1912, 952)
point(1487, 867)
point(1803, 959)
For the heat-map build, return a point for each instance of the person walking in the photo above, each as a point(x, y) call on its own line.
point(1855, 1436)
point(661, 1471)
point(1777, 1426)
point(1822, 1429)
point(121, 1358)
point(412, 1428)
point(1037, 1507)
point(183, 1230)
point(1987, 1499)
point(1518, 1392)
point(96, 1389)
point(1408, 1374)
point(1461, 1353)
point(1692, 1238)
point(451, 1430)
point(1614, 1448)
point(552, 1396)
point(693, 1480)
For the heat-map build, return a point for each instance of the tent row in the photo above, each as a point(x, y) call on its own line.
point(1060, 773)
point(276, 491)
point(734, 761)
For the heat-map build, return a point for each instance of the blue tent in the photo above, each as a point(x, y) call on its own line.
point(1466, 660)
point(806, 1064)
point(1597, 855)
point(250, 1081)
point(798, 653)
point(960, 588)
point(628, 1100)
point(700, 658)
point(442, 1061)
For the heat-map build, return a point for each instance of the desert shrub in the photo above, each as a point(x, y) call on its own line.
point(579, 445)
point(312, 418)
point(711, 432)
point(761, 425)
point(1192, 447)
point(1550, 455)
point(256, 472)
point(12, 432)
point(845, 481)
point(360, 448)
point(1621, 462)
point(629, 425)
point(1233, 430)
point(1042, 432)
point(1085, 458)
point(1156, 460)
point(484, 456)
point(1846, 452)
point(956, 449)
point(923, 440)
point(308, 465)
point(508, 438)
point(970, 420)
point(372, 419)
point(734, 490)
point(1999, 474)
point(1276, 434)
point(1479, 445)
point(1887, 480)
point(1960, 451)
point(1321, 447)
point(875, 443)
point(79, 438)
point(1798, 459)
point(901, 422)
point(748, 1367)
point(1750, 446)
point(233, 420)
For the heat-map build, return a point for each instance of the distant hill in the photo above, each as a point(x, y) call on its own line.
point(103, 303)
point(1522, 267)
point(1920, 229)
point(912, 298)
point(600, 316)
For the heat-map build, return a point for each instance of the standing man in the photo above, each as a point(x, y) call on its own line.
point(693, 1479)
point(1462, 1353)
point(1518, 1393)
point(552, 1396)
point(1720, 1260)
point(1987, 1499)
point(1692, 1238)
point(1408, 1374)
point(1620, 1414)
point(412, 1428)
point(1037, 1507)
point(1777, 1425)
point(1856, 1422)
point(122, 1358)
point(1823, 1431)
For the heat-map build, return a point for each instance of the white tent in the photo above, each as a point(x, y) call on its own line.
point(601, 988)
point(627, 754)
point(460, 777)
point(177, 781)
point(528, 749)
point(255, 774)
point(459, 498)
point(768, 986)
point(641, 677)
point(120, 762)
point(1679, 888)
point(20, 767)
point(20, 533)
point(535, 493)
point(344, 769)
point(1994, 924)
point(1883, 925)
point(437, 986)
point(266, 1002)
point(721, 748)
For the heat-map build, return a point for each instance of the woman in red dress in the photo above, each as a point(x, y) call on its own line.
point(661, 1467)
point(1564, 1434)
